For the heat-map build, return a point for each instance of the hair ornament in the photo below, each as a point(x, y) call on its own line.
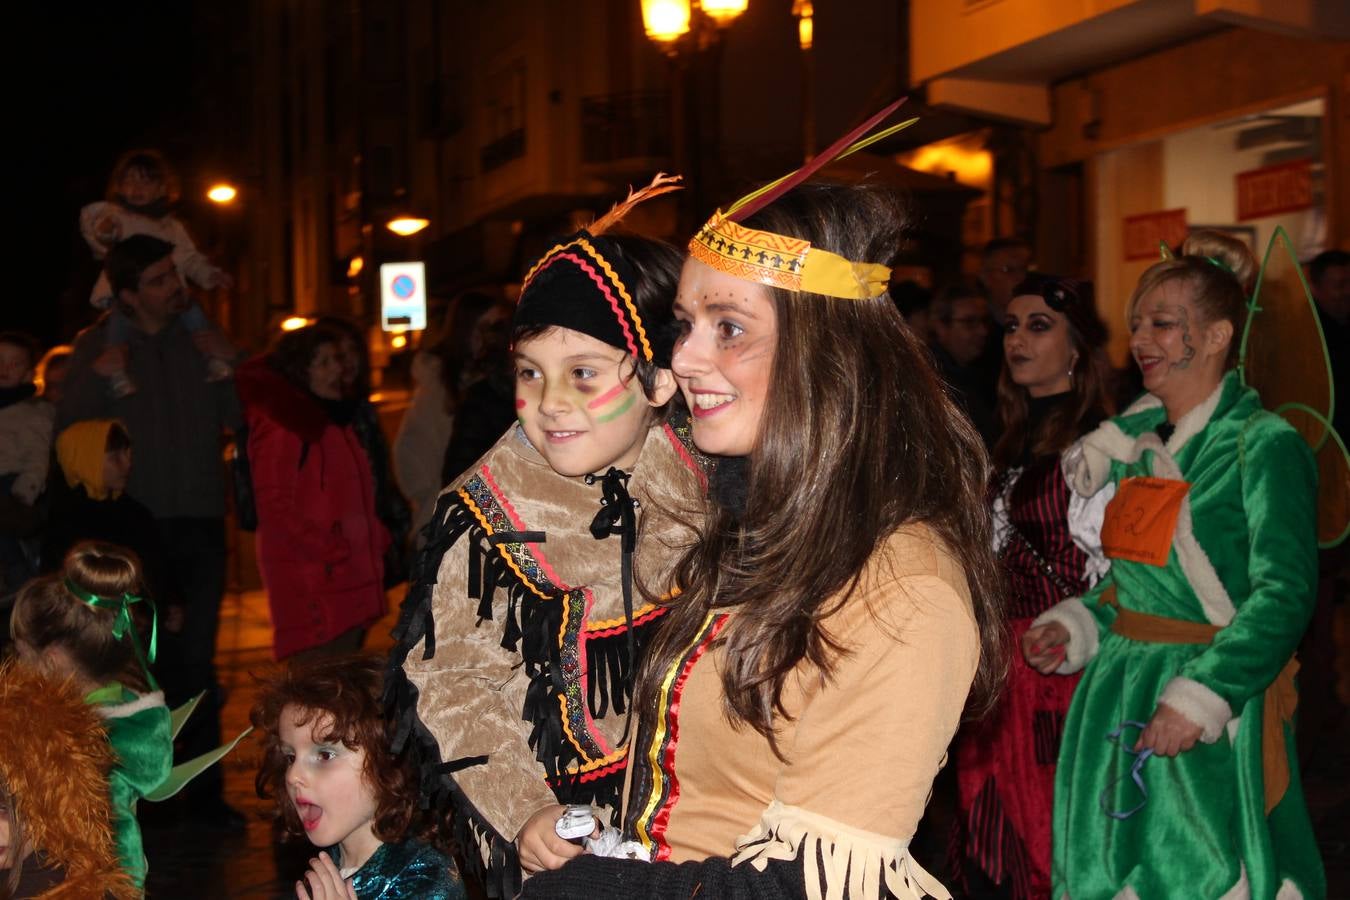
point(787, 262)
point(122, 622)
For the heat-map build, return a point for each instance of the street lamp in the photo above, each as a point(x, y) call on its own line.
point(667, 22)
point(407, 225)
point(222, 193)
point(294, 323)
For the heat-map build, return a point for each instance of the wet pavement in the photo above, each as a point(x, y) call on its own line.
point(192, 861)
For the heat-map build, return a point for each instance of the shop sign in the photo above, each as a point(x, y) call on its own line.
point(1143, 232)
point(1272, 190)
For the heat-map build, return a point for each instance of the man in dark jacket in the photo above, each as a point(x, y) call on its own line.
point(175, 417)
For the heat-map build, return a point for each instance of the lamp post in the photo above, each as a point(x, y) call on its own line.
point(684, 30)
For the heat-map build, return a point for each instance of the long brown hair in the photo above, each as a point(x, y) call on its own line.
point(857, 439)
point(1090, 387)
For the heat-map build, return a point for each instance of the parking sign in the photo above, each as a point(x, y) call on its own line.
point(403, 296)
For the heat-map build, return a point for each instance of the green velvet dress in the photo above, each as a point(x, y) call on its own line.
point(1243, 558)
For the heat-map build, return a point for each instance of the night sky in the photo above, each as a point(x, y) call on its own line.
point(97, 79)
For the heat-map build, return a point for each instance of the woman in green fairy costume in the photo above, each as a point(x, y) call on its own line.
point(1177, 773)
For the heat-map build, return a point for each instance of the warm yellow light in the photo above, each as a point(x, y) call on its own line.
point(723, 12)
point(971, 165)
point(355, 266)
point(398, 341)
point(806, 31)
point(222, 193)
point(406, 225)
point(291, 323)
point(665, 20)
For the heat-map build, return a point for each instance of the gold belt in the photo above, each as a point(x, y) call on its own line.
point(1281, 698)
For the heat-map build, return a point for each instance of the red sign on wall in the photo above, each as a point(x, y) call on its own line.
point(1274, 189)
point(1143, 232)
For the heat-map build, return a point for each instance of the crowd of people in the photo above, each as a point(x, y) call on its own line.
point(712, 559)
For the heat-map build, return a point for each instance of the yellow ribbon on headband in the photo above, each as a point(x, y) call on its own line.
point(786, 262)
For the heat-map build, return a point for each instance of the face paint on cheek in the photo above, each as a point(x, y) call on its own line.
point(617, 407)
point(520, 405)
point(606, 397)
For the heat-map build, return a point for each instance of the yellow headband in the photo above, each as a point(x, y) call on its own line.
point(785, 262)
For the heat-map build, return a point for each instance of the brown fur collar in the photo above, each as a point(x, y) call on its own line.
point(54, 762)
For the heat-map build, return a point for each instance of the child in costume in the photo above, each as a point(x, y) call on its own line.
point(840, 603)
point(1177, 773)
point(82, 622)
point(56, 837)
point(540, 552)
point(327, 761)
point(140, 197)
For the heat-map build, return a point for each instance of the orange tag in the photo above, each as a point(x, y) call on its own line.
point(1141, 518)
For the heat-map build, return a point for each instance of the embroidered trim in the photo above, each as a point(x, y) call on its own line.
point(655, 785)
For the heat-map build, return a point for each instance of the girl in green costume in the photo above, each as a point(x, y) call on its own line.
point(1191, 635)
point(81, 622)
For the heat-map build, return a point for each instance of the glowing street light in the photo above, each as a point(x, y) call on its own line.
point(222, 193)
point(292, 323)
point(665, 21)
point(407, 225)
point(355, 265)
point(398, 341)
point(805, 14)
point(723, 12)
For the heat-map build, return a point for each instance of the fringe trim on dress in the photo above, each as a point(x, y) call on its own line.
point(838, 861)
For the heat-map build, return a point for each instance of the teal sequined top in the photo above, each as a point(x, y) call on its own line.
point(409, 870)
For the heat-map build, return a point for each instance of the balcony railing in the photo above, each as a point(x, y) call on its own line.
point(616, 127)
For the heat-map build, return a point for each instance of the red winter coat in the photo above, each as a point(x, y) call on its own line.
point(320, 545)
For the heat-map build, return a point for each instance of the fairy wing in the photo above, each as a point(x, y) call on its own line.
point(1284, 358)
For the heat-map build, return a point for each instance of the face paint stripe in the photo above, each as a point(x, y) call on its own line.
point(623, 408)
point(607, 396)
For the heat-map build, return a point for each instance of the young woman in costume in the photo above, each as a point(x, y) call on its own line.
point(840, 603)
point(328, 763)
point(521, 636)
point(1053, 389)
point(1177, 775)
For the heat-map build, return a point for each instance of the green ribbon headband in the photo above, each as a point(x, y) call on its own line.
point(122, 622)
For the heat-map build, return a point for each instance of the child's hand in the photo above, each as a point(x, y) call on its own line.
point(539, 846)
point(107, 231)
point(1169, 732)
point(323, 881)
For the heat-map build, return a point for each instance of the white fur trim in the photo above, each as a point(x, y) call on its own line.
point(837, 860)
point(1199, 704)
point(1087, 464)
point(1242, 890)
point(124, 710)
point(1147, 401)
point(1082, 627)
point(1288, 891)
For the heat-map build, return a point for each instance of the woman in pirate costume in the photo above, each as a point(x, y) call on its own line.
point(800, 696)
point(520, 639)
point(1054, 388)
point(1177, 774)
